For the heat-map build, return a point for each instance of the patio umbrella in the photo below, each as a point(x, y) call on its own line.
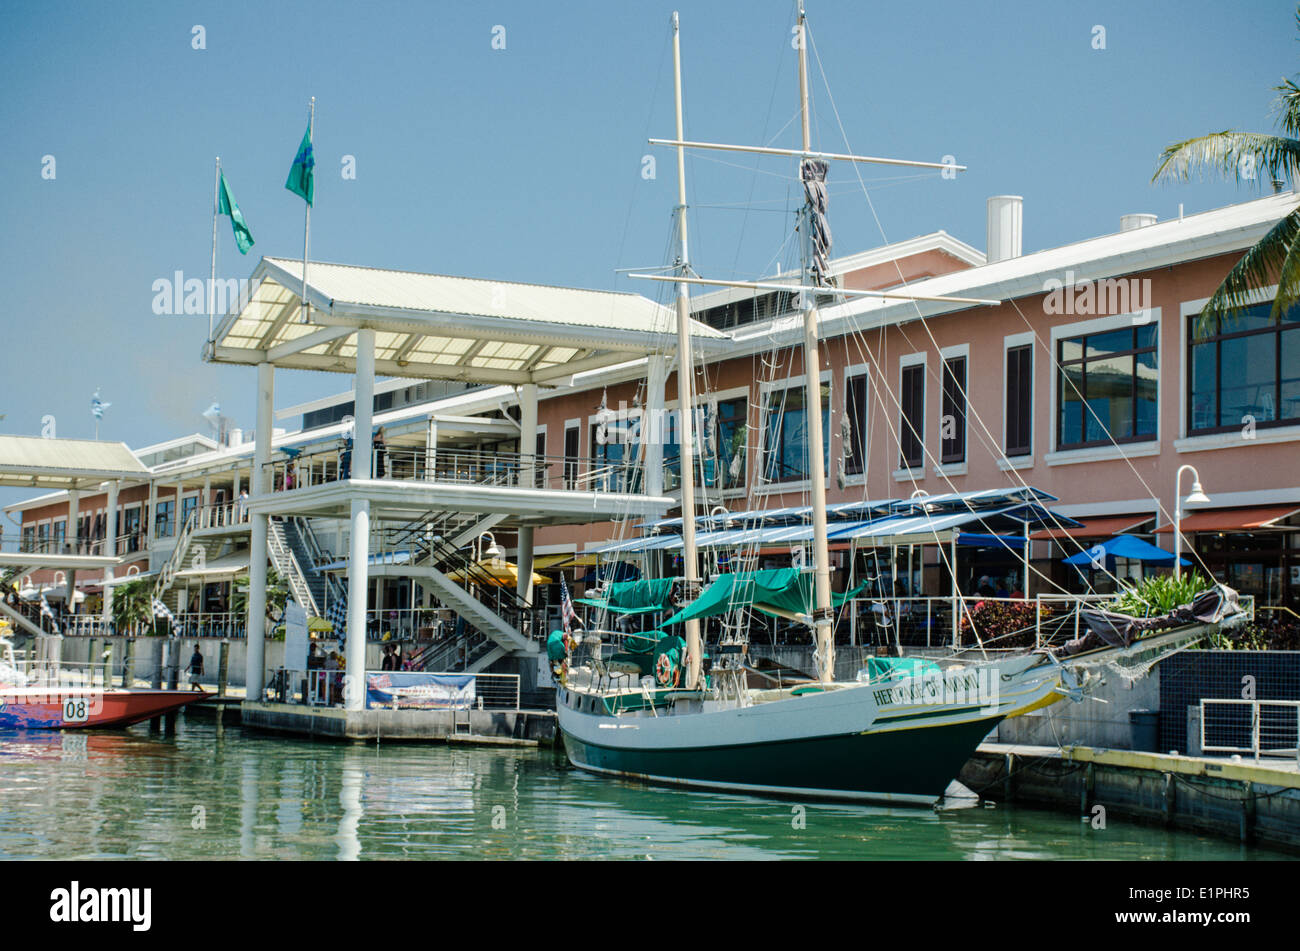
point(494, 571)
point(1122, 546)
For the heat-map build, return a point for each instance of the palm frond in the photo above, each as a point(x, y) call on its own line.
point(1287, 107)
point(1222, 153)
point(1258, 267)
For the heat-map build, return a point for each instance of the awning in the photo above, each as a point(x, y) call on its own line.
point(1099, 527)
point(1123, 546)
point(218, 567)
point(1235, 520)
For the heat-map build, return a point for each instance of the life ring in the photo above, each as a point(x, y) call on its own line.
point(666, 672)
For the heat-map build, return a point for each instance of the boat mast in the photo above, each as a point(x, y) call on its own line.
point(685, 404)
point(822, 614)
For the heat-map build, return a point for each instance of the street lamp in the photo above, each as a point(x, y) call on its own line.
point(1196, 497)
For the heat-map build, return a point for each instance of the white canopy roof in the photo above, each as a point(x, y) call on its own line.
point(34, 462)
point(433, 326)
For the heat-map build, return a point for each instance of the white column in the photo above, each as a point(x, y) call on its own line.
point(363, 466)
point(255, 674)
point(652, 425)
point(110, 548)
point(70, 539)
point(205, 499)
point(152, 517)
point(358, 582)
point(527, 452)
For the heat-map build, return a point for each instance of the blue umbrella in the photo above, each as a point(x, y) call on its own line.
point(1123, 546)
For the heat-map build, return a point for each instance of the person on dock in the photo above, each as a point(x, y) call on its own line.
point(196, 668)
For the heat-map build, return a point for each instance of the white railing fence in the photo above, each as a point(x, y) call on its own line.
point(1251, 727)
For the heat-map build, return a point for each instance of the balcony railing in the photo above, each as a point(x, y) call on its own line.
point(464, 467)
point(97, 545)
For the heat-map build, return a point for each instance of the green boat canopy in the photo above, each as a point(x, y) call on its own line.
point(634, 597)
point(781, 592)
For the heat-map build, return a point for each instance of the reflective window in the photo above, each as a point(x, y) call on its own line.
point(785, 442)
point(1107, 388)
point(1245, 371)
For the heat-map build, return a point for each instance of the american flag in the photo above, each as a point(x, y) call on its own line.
point(337, 614)
point(567, 614)
point(47, 611)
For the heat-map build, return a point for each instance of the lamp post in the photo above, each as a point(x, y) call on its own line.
point(1196, 497)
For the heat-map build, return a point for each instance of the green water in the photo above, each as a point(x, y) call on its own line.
point(199, 794)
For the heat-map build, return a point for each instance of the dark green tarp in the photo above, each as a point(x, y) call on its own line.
point(634, 597)
point(775, 591)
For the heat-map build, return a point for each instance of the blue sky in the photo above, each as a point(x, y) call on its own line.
point(525, 163)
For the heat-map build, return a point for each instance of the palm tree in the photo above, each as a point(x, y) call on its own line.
point(277, 592)
point(1238, 156)
point(132, 605)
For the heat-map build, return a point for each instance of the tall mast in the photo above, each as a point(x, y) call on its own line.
point(685, 404)
point(822, 614)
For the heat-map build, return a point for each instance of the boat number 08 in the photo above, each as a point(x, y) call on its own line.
point(76, 710)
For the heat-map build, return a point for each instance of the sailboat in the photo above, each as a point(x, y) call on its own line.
point(900, 736)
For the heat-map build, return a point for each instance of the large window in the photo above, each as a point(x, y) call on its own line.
point(911, 423)
point(1243, 371)
point(1020, 401)
point(785, 433)
point(613, 457)
point(188, 505)
point(952, 432)
point(1106, 388)
point(572, 448)
point(724, 460)
point(855, 414)
point(164, 514)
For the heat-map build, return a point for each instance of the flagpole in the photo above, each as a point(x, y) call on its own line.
point(306, 231)
point(216, 206)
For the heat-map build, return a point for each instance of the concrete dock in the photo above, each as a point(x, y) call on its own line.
point(490, 727)
point(1255, 802)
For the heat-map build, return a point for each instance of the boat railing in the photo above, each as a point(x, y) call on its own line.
point(322, 688)
point(460, 466)
point(59, 673)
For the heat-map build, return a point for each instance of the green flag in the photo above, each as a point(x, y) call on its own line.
point(226, 205)
point(300, 175)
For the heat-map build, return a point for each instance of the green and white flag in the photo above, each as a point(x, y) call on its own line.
point(226, 205)
point(300, 175)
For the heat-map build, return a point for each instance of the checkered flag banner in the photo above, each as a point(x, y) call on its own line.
point(47, 611)
point(161, 610)
point(337, 614)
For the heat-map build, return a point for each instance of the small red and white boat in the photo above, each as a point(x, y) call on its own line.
point(34, 706)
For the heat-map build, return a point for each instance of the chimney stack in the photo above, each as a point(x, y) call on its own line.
point(1006, 220)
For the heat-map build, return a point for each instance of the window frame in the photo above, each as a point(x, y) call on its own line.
point(1275, 330)
point(1134, 351)
point(917, 362)
point(948, 356)
point(1018, 344)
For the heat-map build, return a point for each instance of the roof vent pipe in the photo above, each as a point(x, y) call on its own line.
point(1133, 222)
point(1006, 219)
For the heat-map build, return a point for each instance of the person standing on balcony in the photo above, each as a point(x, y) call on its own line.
point(345, 459)
point(380, 448)
point(243, 505)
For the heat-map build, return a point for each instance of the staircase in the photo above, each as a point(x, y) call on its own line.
point(301, 541)
point(282, 557)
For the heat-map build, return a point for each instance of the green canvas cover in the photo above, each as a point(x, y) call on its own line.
point(634, 597)
point(881, 668)
point(772, 591)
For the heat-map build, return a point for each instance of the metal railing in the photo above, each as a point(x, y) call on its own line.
point(460, 466)
point(1251, 727)
point(124, 544)
point(320, 687)
point(226, 624)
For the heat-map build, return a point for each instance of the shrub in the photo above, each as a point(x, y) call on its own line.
point(1160, 594)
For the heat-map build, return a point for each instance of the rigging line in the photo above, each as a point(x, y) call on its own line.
point(1012, 472)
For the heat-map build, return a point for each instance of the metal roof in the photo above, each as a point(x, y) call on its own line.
point(33, 462)
point(433, 326)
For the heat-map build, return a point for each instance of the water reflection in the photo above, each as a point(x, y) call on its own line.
point(135, 794)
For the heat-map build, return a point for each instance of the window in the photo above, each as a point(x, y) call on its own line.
point(613, 454)
point(571, 452)
point(29, 537)
point(952, 431)
point(1020, 404)
point(164, 513)
point(724, 457)
point(786, 433)
point(59, 532)
point(911, 429)
point(1106, 388)
point(1245, 369)
point(188, 505)
point(855, 415)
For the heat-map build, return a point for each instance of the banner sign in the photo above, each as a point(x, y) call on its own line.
point(409, 690)
point(295, 636)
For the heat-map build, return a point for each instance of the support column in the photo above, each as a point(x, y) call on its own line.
point(110, 548)
point(354, 682)
point(527, 454)
point(652, 424)
point(363, 457)
point(255, 667)
point(72, 542)
point(151, 518)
